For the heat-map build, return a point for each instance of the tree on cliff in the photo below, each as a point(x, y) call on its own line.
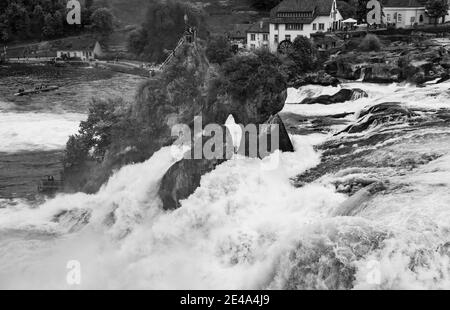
point(218, 50)
point(163, 27)
point(437, 9)
point(300, 57)
point(244, 76)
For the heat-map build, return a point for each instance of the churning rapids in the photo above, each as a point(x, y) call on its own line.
point(253, 228)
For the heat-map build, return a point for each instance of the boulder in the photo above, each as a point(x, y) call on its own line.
point(315, 78)
point(379, 114)
point(342, 96)
point(183, 179)
point(285, 143)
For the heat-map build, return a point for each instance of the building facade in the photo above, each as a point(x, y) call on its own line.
point(292, 18)
point(407, 13)
point(84, 53)
point(258, 35)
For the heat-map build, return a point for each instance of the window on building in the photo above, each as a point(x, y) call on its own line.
point(314, 26)
point(276, 39)
point(294, 26)
point(252, 46)
point(421, 18)
point(276, 26)
point(321, 26)
point(253, 37)
point(288, 37)
point(399, 18)
point(413, 20)
point(388, 17)
point(265, 37)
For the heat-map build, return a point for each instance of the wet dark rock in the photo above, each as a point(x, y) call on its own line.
point(416, 63)
point(74, 220)
point(342, 96)
point(285, 143)
point(304, 125)
point(380, 114)
point(315, 78)
point(183, 179)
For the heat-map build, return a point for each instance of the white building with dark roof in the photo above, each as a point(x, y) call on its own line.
point(292, 18)
point(404, 13)
point(258, 35)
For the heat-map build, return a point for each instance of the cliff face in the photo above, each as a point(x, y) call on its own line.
point(189, 87)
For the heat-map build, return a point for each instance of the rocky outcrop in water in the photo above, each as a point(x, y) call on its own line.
point(416, 62)
point(389, 112)
point(342, 96)
point(189, 87)
point(184, 177)
point(314, 78)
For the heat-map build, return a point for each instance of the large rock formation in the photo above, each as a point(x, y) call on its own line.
point(190, 88)
point(184, 177)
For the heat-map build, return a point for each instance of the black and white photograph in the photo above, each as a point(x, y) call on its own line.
point(225, 145)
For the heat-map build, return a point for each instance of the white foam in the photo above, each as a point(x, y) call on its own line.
point(36, 131)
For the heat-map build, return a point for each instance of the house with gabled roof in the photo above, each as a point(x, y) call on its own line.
point(292, 18)
point(84, 50)
point(238, 35)
point(258, 35)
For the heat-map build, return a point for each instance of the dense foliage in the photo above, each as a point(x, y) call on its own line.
point(347, 8)
point(24, 19)
point(300, 58)
point(95, 135)
point(265, 4)
point(437, 9)
point(243, 76)
point(218, 50)
point(164, 25)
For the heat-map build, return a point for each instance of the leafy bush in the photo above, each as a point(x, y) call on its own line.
point(244, 76)
point(102, 21)
point(218, 50)
point(95, 135)
point(76, 152)
point(370, 43)
point(300, 58)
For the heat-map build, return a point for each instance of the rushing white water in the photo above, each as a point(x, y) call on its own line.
point(431, 97)
point(248, 227)
point(36, 131)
